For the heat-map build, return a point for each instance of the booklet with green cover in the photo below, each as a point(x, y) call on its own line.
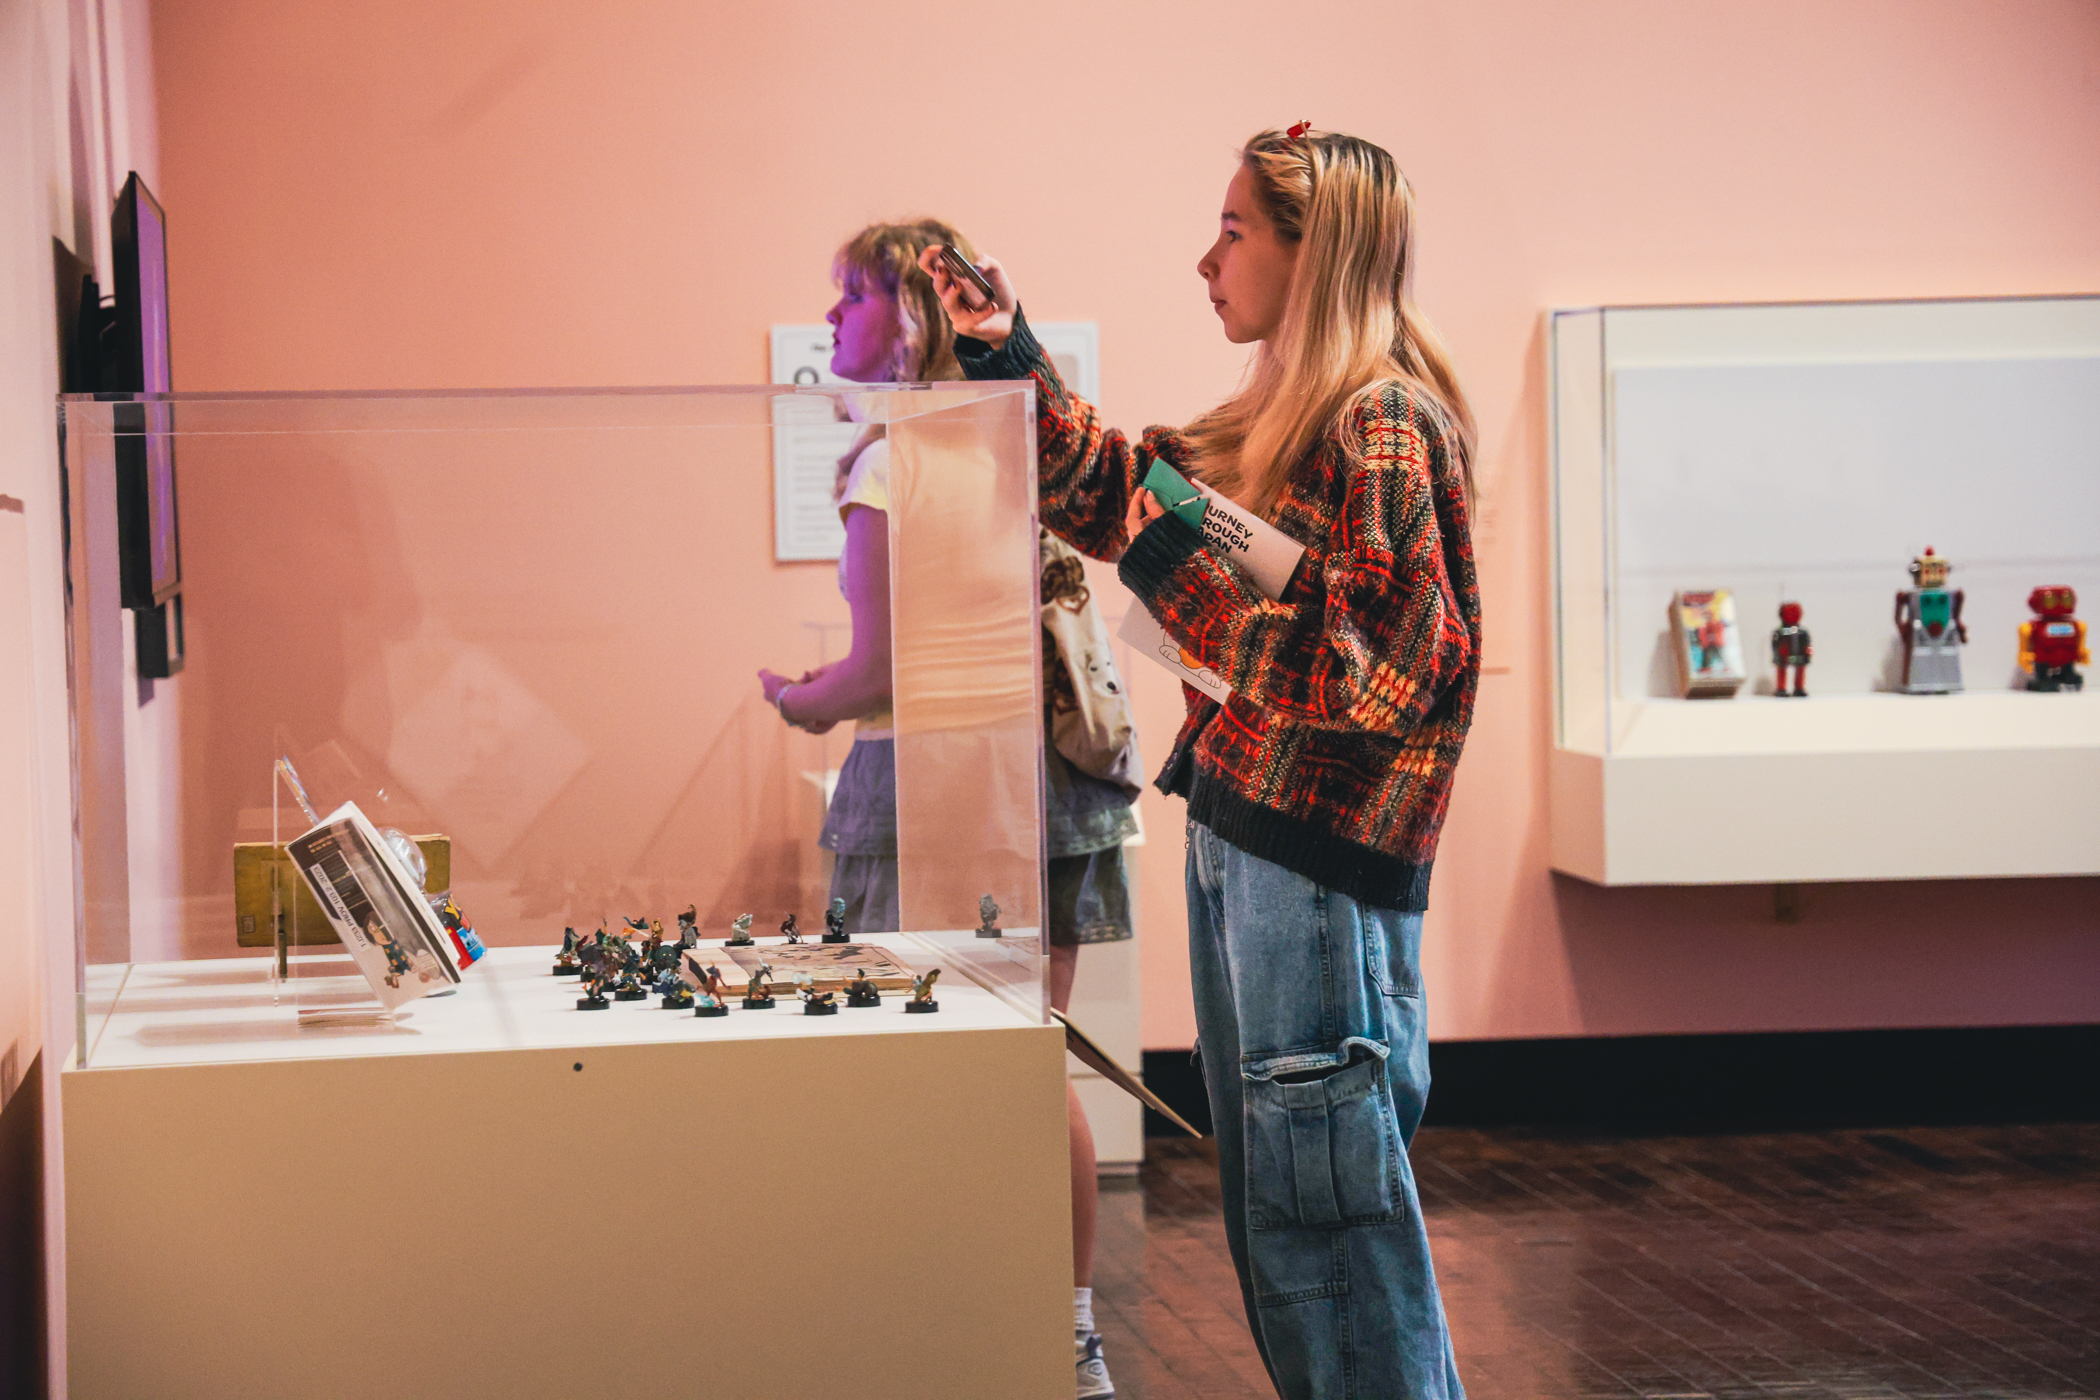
point(1175, 492)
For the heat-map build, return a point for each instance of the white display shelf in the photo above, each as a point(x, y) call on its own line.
point(1821, 491)
point(1974, 721)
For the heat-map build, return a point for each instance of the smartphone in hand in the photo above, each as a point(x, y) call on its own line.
point(963, 275)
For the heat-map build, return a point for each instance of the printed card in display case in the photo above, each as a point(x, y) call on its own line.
point(376, 908)
point(1708, 648)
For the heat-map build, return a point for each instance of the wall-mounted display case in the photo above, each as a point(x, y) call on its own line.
point(1808, 453)
point(525, 629)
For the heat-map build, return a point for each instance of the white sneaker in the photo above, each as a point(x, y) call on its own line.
point(1094, 1383)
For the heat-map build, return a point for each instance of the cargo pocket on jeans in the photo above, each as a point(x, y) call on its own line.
point(1321, 1151)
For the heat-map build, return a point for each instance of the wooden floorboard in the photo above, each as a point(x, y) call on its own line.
point(1936, 1263)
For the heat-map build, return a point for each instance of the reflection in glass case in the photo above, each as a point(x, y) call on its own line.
point(521, 632)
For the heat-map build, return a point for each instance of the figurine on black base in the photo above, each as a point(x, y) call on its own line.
point(861, 992)
point(689, 928)
point(675, 990)
point(1790, 649)
point(597, 977)
point(654, 941)
point(816, 1003)
point(565, 963)
point(988, 918)
point(835, 922)
point(633, 984)
point(740, 932)
point(757, 997)
point(789, 930)
point(922, 1000)
point(1928, 619)
point(2052, 646)
point(707, 990)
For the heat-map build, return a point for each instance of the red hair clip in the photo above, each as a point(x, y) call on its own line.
point(1297, 133)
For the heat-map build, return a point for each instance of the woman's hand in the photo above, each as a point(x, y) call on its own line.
point(770, 685)
point(1144, 509)
point(965, 304)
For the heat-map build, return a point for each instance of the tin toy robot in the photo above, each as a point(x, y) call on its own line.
point(1928, 620)
point(2052, 646)
point(1790, 650)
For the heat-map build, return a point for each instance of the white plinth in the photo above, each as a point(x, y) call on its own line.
point(504, 1196)
point(1844, 787)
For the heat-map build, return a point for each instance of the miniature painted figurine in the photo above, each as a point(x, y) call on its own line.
point(637, 925)
point(988, 918)
point(922, 994)
point(654, 941)
point(1790, 648)
point(597, 977)
point(633, 984)
point(835, 922)
point(814, 1002)
point(2052, 646)
point(740, 932)
point(565, 963)
point(675, 990)
point(861, 992)
point(789, 930)
point(689, 928)
point(707, 994)
point(1928, 619)
point(757, 996)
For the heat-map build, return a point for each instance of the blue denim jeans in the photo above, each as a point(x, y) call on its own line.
point(1315, 1052)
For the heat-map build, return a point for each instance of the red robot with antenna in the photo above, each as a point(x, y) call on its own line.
point(1791, 651)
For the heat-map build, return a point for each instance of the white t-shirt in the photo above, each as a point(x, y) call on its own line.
point(868, 484)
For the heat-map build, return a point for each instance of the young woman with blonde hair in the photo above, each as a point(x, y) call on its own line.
point(888, 326)
point(1316, 791)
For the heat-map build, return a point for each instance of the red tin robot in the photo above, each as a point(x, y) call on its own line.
point(2053, 645)
point(1790, 650)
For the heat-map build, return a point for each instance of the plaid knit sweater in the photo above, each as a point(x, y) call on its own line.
point(1352, 693)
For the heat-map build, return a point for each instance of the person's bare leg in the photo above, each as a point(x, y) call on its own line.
point(1086, 1187)
point(1086, 1193)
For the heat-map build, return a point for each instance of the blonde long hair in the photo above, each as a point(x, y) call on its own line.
point(1350, 324)
point(887, 256)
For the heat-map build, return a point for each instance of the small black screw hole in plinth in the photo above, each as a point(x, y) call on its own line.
point(579, 1067)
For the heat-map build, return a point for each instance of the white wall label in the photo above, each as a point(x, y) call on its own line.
point(808, 441)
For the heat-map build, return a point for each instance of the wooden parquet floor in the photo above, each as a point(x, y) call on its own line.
point(1852, 1265)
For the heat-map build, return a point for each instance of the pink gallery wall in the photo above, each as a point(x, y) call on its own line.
point(460, 193)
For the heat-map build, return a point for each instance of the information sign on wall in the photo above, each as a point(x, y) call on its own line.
point(808, 439)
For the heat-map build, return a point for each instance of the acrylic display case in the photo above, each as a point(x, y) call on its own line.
point(525, 629)
point(1806, 453)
